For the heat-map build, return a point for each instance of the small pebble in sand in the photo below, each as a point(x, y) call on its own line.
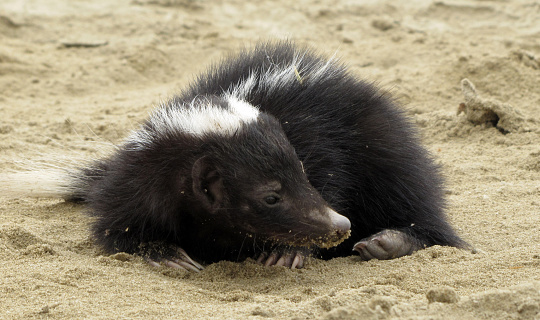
point(442, 294)
point(383, 24)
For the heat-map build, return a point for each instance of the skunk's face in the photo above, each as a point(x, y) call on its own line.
point(293, 215)
point(254, 183)
point(248, 177)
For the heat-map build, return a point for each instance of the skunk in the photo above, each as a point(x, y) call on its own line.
point(275, 153)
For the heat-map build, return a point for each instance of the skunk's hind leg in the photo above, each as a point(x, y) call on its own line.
point(387, 244)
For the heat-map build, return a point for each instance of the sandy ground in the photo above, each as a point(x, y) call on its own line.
point(76, 75)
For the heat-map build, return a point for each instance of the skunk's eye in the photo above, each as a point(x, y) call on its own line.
point(271, 200)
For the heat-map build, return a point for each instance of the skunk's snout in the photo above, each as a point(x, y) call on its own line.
point(340, 223)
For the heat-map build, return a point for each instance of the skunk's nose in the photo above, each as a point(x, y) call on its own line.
point(340, 223)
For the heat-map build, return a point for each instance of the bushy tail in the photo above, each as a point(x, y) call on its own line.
point(45, 183)
point(51, 178)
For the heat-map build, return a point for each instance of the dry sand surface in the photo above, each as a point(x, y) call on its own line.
point(76, 75)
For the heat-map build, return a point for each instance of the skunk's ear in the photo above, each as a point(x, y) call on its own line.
point(207, 184)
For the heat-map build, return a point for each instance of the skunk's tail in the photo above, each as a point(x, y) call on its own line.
point(38, 179)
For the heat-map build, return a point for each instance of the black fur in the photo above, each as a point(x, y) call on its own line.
point(359, 152)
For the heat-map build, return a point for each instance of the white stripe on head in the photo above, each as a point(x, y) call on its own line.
point(200, 117)
point(197, 118)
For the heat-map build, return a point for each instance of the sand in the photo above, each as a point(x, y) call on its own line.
point(76, 76)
